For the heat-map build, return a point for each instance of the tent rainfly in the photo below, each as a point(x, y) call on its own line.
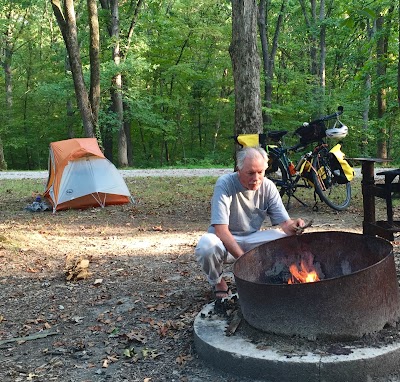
point(80, 176)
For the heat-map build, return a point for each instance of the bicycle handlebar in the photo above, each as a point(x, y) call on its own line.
point(331, 116)
point(307, 136)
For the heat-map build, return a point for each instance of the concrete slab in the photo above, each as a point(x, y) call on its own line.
point(237, 355)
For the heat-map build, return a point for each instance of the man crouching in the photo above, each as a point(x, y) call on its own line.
point(241, 202)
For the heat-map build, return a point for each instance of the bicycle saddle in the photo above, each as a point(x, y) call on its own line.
point(276, 135)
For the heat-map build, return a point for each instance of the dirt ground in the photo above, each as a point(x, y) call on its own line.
point(131, 316)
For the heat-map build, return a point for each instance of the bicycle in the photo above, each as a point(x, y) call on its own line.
point(318, 169)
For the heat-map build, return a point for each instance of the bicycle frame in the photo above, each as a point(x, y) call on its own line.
point(287, 182)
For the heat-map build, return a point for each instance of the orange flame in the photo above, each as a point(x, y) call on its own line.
point(302, 274)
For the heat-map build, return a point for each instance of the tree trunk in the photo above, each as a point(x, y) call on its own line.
point(116, 87)
point(246, 67)
point(108, 141)
point(313, 50)
point(94, 49)
point(30, 152)
point(133, 23)
point(8, 52)
point(3, 163)
point(322, 46)
point(367, 99)
point(381, 53)
point(317, 31)
point(117, 105)
point(224, 93)
point(70, 115)
point(268, 53)
point(129, 146)
point(127, 127)
point(127, 124)
point(398, 56)
point(125, 146)
point(67, 22)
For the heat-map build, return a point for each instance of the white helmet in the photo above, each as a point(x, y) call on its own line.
point(338, 131)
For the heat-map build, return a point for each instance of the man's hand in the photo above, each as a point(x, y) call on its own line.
point(300, 230)
point(293, 227)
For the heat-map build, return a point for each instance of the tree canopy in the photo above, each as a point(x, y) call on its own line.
point(159, 78)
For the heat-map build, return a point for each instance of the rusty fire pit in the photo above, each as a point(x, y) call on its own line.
point(357, 293)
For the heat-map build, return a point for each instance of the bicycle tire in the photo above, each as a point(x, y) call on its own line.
point(280, 178)
point(335, 195)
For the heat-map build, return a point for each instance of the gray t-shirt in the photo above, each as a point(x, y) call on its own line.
point(245, 210)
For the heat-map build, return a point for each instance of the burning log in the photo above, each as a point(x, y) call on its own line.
point(304, 270)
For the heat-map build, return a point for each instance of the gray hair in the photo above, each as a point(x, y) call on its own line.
point(250, 152)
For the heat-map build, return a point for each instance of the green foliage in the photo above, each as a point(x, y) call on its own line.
point(178, 86)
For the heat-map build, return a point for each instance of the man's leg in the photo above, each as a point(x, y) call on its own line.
point(211, 254)
point(255, 239)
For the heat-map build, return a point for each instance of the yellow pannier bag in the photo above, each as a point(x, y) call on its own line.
point(248, 140)
point(305, 171)
point(341, 168)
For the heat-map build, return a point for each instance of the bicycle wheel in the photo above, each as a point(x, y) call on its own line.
point(334, 194)
point(279, 177)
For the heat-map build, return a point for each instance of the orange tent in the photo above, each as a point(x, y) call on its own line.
point(80, 176)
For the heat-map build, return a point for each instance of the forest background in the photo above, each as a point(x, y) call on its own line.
point(153, 80)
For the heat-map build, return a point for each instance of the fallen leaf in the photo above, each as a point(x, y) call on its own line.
point(76, 268)
point(150, 353)
point(113, 332)
point(77, 319)
point(182, 359)
point(163, 330)
point(128, 353)
point(96, 328)
point(137, 336)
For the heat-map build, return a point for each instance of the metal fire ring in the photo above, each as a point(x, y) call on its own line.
point(358, 295)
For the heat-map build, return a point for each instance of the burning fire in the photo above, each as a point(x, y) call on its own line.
point(306, 273)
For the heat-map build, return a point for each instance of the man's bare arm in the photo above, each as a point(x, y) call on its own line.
point(222, 231)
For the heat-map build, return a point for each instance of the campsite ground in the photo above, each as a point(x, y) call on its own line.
point(132, 317)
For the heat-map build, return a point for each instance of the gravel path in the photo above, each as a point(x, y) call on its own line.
point(125, 173)
point(141, 172)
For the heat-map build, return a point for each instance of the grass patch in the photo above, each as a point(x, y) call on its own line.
point(154, 192)
point(162, 189)
point(171, 190)
point(21, 188)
